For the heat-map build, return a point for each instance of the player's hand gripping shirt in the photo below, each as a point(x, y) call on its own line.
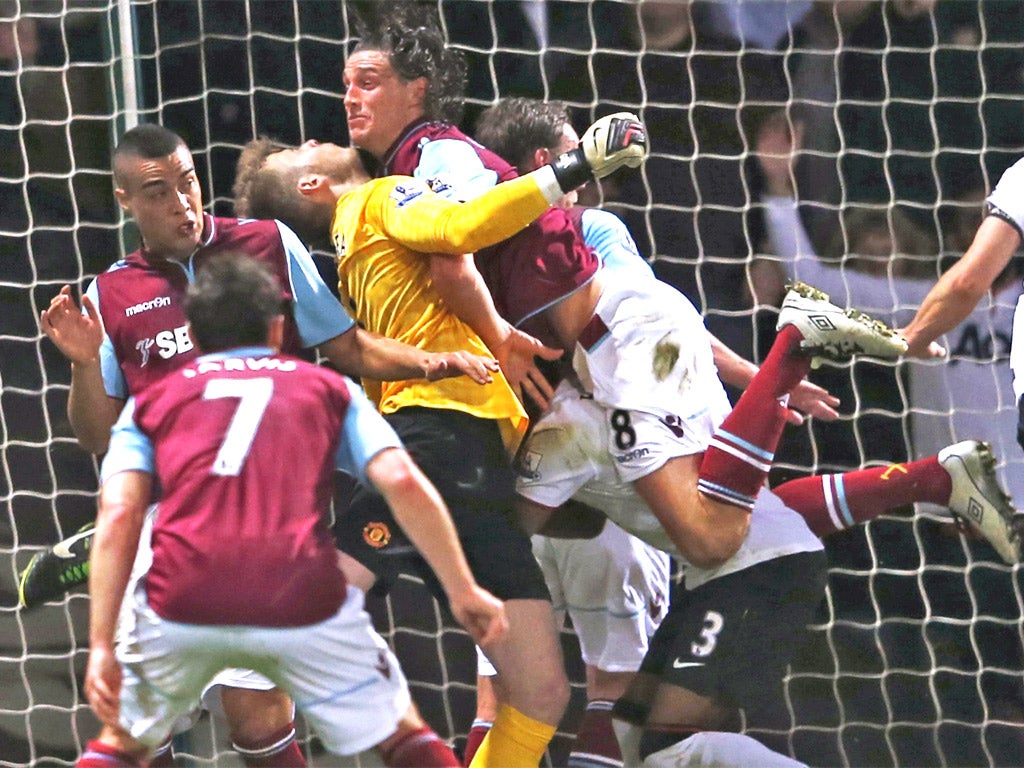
point(382, 233)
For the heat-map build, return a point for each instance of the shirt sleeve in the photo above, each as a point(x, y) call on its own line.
point(364, 434)
point(113, 377)
point(454, 170)
point(1007, 200)
point(423, 221)
point(319, 316)
point(129, 448)
point(607, 234)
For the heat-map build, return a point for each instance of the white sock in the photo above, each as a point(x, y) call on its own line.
point(628, 736)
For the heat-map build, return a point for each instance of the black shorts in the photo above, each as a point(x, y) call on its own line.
point(465, 458)
point(731, 638)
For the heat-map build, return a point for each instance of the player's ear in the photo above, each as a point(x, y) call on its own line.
point(122, 198)
point(541, 157)
point(418, 90)
point(311, 183)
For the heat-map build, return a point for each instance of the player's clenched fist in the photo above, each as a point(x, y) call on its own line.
point(614, 141)
point(609, 144)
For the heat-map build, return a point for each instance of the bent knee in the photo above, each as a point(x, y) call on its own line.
point(253, 714)
point(544, 696)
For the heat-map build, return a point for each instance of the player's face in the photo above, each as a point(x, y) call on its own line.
point(378, 103)
point(164, 198)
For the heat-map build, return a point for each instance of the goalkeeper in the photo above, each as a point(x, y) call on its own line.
point(382, 232)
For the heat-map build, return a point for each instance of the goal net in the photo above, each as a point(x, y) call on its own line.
point(900, 118)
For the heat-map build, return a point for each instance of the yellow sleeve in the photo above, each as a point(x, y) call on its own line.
point(423, 221)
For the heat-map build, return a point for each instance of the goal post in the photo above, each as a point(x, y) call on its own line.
point(917, 653)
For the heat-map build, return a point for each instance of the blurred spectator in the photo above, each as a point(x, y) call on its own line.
point(762, 24)
point(814, 48)
point(900, 99)
point(516, 47)
point(911, 77)
point(885, 264)
point(883, 242)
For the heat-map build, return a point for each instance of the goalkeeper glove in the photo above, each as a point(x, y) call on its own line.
point(610, 143)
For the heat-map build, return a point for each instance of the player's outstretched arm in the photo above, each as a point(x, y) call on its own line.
point(123, 501)
point(959, 290)
point(424, 518)
point(79, 337)
point(358, 353)
point(428, 223)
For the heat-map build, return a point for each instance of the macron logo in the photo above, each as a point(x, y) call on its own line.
point(159, 301)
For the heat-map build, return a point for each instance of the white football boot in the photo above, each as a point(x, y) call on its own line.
point(832, 333)
point(978, 499)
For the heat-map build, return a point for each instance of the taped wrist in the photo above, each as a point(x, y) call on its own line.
point(572, 170)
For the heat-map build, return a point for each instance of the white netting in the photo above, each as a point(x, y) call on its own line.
point(917, 655)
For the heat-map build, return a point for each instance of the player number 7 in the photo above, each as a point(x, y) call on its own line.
point(253, 396)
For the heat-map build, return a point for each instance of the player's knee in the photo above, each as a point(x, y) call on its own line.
point(543, 694)
point(609, 686)
point(551, 695)
point(252, 714)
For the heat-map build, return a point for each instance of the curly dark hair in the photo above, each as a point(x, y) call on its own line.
point(410, 33)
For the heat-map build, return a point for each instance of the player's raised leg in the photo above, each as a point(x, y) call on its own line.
point(810, 328)
point(961, 477)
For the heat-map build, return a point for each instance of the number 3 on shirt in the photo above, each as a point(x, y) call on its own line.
point(253, 396)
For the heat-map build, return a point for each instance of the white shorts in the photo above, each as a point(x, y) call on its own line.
point(340, 672)
point(653, 375)
point(227, 678)
point(615, 589)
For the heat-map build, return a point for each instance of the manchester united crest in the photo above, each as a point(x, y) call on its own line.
point(377, 535)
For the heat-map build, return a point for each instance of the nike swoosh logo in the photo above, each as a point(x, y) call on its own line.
point(62, 549)
point(478, 479)
point(677, 664)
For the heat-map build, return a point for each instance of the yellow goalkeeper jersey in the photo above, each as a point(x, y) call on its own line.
point(383, 233)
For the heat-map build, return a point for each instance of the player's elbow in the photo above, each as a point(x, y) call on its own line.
point(90, 440)
point(459, 240)
point(404, 481)
point(721, 540)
